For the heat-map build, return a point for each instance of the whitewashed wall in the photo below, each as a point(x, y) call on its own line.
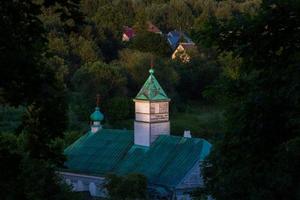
point(80, 183)
point(142, 107)
point(157, 129)
point(192, 179)
point(142, 117)
point(159, 107)
point(142, 133)
point(146, 133)
point(151, 112)
point(151, 120)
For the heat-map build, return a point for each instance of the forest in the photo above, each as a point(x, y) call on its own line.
point(240, 90)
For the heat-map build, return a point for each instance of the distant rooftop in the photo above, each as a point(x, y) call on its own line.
point(175, 36)
point(129, 32)
point(188, 45)
point(152, 28)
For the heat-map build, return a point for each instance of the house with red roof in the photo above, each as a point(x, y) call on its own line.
point(128, 34)
point(152, 28)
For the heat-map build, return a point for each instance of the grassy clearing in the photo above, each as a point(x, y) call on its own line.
point(202, 120)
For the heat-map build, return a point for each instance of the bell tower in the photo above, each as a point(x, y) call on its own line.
point(151, 112)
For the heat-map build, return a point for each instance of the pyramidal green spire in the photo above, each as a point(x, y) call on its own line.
point(151, 89)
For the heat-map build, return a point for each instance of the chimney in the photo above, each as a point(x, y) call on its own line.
point(187, 134)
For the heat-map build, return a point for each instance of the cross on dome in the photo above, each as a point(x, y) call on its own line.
point(97, 100)
point(97, 115)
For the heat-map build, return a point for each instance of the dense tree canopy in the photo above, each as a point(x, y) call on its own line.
point(151, 42)
point(97, 78)
point(259, 155)
point(28, 80)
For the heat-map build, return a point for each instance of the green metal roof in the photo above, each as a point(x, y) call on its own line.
point(151, 89)
point(165, 162)
point(96, 115)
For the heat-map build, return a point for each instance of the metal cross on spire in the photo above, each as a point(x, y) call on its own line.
point(97, 100)
point(151, 65)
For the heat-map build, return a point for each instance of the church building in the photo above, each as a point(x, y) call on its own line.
point(170, 163)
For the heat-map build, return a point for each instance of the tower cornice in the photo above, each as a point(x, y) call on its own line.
point(151, 101)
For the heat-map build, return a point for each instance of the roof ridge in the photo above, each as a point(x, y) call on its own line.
point(188, 138)
point(111, 129)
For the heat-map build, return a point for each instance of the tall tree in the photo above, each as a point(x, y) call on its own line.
point(26, 79)
point(259, 156)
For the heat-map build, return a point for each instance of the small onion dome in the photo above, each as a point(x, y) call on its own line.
point(97, 115)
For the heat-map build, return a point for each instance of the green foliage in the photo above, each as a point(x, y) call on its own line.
point(25, 177)
point(10, 155)
point(119, 108)
point(107, 79)
point(252, 160)
point(140, 24)
point(109, 15)
point(20, 58)
point(180, 14)
point(132, 186)
point(107, 19)
point(202, 119)
point(137, 65)
point(28, 80)
point(231, 65)
point(96, 78)
point(196, 76)
point(157, 13)
point(71, 137)
point(77, 122)
point(230, 69)
point(151, 42)
point(10, 118)
point(46, 120)
point(84, 48)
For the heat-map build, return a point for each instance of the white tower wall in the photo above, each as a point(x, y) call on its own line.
point(151, 120)
point(142, 133)
point(156, 129)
